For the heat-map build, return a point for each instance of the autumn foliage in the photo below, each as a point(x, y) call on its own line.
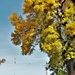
point(51, 24)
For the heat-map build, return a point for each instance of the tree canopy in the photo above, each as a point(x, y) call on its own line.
point(51, 24)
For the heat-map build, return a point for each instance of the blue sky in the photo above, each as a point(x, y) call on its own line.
point(25, 65)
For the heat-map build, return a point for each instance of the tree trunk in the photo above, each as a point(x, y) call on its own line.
point(71, 67)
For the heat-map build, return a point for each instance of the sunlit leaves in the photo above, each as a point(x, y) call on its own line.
point(70, 28)
point(69, 12)
point(50, 1)
point(54, 22)
point(25, 32)
point(49, 40)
